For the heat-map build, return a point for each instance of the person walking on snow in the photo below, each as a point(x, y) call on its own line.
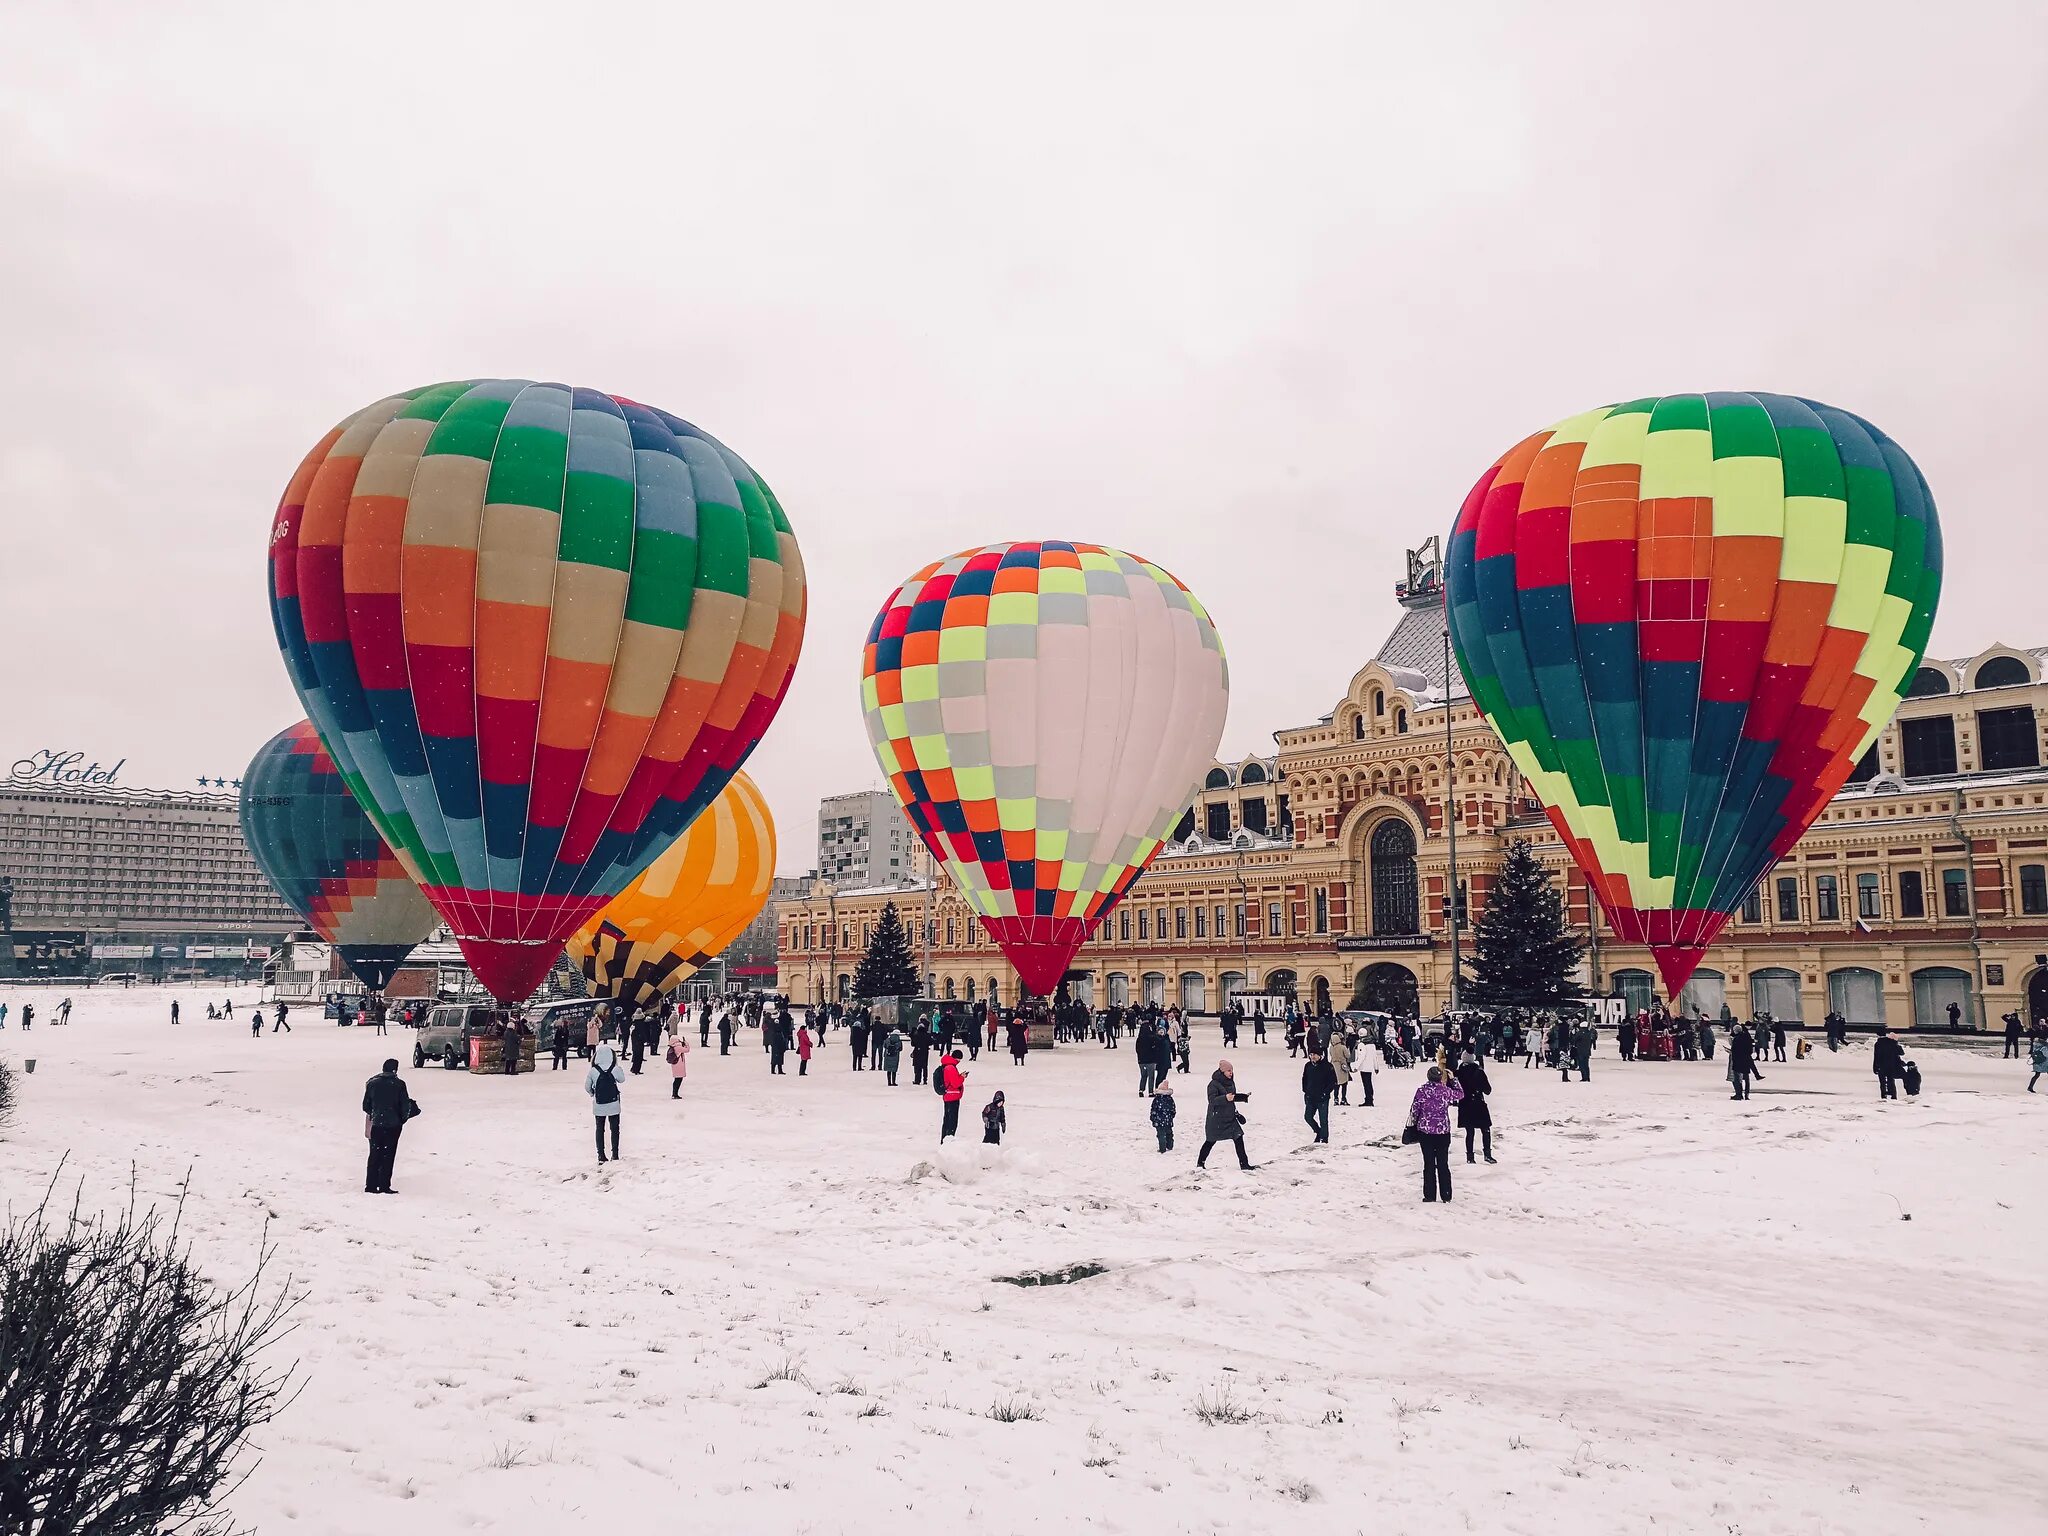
point(1340, 1063)
point(1318, 1083)
point(678, 1064)
point(1429, 1116)
point(1020, 1043)
point(1888, 1062)
point(1162, 1113)
point(1473, 1112)
point(1223, 1122)
point(951, 1083)
point(1741, 1062)
point(256, 1024)
point(2039, 1052)
point(602, 1082)
point(386, 1108)
point(174, 1013)
point(994, 1121)
point(803, 1050)
point(281, 1022)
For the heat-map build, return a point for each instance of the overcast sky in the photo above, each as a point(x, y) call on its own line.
point(1254, 291)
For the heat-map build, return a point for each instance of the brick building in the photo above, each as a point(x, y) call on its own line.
point(1323, 868)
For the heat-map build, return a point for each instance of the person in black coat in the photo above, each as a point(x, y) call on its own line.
point(1223, 1122)
point(1741, 1061)
point(386, 1108)
point(1888, 1062)
point(1473, 1115)
point(1318, 1083)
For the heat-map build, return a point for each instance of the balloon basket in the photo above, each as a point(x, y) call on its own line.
point(487, 1057)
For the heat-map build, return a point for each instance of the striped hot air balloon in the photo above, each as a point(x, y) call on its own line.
point(313, 842)
point(1687, 617)
point(1043, 712)
point(539, 628)
point(686, 906)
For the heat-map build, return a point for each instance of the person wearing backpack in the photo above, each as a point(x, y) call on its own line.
point(1162, 1114)
point(892, 1051)
point(602, 1082)
point(950, 1083)
point(678, 1064)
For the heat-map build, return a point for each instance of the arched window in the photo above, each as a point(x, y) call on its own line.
point(949, 988)
point(970, 989)
point(1707, 992)
point(1857, 994)
point(2002, 672)
point(1928, 683)
point(1400, 722)
point(1637, 988)
point(1254, 773)
point(1774, 990)
point(1192, 992)
point(1396, 905)
point(1358, 727)
point(994, 991)
point(1217, 779)
point(1935, 988)
point(1379, 703)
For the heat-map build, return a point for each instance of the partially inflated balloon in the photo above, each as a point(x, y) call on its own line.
point(1043, 712)
point(686, 906)
point(1687, 618)
point(313, 842)
point(539, 628)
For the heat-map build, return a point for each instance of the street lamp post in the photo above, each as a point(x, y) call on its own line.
point(1451, 815)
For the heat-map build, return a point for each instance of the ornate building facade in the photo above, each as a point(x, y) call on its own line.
point(1324, 868)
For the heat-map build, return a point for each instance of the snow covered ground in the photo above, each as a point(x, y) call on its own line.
point(1662, 1311)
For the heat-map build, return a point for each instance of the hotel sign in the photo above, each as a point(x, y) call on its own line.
point(53, 766)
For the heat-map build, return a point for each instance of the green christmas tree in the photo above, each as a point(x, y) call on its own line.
point(1523, 954)
point(887, 969)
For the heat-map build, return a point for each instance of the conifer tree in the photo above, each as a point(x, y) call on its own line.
point(887, 969)
point(1523, 954)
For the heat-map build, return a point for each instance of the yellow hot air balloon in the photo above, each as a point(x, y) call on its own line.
point(686, 906)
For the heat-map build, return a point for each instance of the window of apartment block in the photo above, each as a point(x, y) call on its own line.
point(1201, 922)
point(2006, 738)
point(1788, 900)
point(2034, 888)
point(1753, 906)
point(1912, 899)
point(1867, 900)
point(1827, 902)
point(1144, 928)
point(1273, 919)
point(1222, 931)
point(1927, 747)
point(1955, 893)
point(1123, 926)
point(1180, 922)
point(1322, 910)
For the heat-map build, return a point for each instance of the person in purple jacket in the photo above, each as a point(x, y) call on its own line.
point(1431, 1117)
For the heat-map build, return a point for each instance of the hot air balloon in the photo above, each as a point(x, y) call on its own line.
point(686, 906)
point(313, 842)
point(1687, 617)
point(539, 628)
point(1043, 712)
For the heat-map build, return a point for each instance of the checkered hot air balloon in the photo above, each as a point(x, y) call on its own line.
point(539, 628)
point(1043, 712)
point(687, 906)
point(1687, 617)
point(313, 842)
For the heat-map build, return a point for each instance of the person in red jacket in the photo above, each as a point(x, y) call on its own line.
point(953, 1083)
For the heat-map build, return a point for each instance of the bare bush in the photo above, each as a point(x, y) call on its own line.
point(129, 1382)
point(7, 1095)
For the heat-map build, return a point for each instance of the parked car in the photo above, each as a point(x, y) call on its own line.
point(445, 1034)
point(118, 979)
